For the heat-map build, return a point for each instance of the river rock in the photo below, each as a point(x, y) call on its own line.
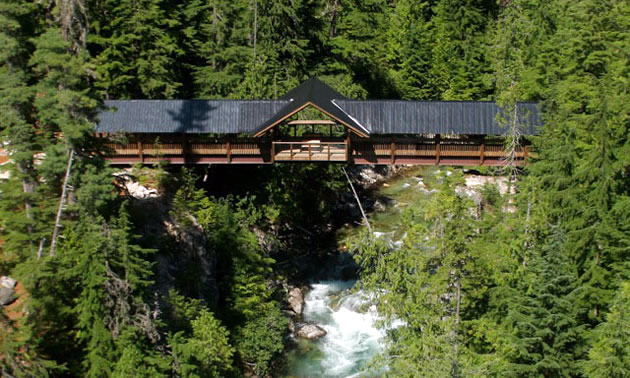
point(311, 332)
point(296, 300)
point(7, 282)
point(291, 326)
point(7, 296)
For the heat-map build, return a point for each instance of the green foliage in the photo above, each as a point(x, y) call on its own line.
point(610, 354)
point(431, 283)
point(259, 340)
point(244, 272)
point(206, 351)
point(540, 334)
point(534, 299)
point(135, 52)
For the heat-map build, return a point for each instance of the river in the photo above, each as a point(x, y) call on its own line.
point(352, 337)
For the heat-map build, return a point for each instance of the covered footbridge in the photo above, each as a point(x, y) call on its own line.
point(310, 123)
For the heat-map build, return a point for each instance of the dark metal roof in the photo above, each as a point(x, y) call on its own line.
point(436, 117)
point(315, 93)
point(187, 116)
point(364, 117)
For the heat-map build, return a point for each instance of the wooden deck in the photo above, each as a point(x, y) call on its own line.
point(382, 151)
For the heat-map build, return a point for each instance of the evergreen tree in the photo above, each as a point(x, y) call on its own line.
point(408, 49)
point(540, 333)
point(205, 353)
point(135, 52)
point(610, 354)
point(222, 41)
point(426, 284)
point(18, 225)
point(458, 66)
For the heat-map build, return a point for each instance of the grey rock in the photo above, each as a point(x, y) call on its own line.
point(291, 326)
point(7, 282)
point(296, 300)
point(7, 296)
point(311, 332)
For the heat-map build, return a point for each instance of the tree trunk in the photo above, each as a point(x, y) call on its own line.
point(333, 19)
point(62, 204)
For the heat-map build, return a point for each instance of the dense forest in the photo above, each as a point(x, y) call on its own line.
point(534, 283)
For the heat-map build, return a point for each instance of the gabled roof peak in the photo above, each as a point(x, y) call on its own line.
point(313, 90)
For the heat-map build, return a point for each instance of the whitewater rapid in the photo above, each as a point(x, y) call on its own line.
point(352, 338)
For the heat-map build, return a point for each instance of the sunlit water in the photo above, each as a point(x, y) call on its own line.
point(352, 338)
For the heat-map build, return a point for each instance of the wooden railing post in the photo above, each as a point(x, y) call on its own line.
point(482, 153)
point(329, 151)
point(273, 152)
point(392, 152)
point(185, 148)
point(348, 147)
point(140, 151)
point(291, 151)
point(310, 153)
point(228, 147)
point(437, 149)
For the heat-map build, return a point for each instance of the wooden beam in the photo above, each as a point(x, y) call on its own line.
point(437, 148)
point(228, 148)
point(348, 140)
point(312, 122)
point(393, 151)
point(140, 151)
point(482, 153)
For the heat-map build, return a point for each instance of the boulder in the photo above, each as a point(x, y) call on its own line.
point(7, 296)
point(291, 326)
point(296, 300)
point(7, 282)
point(311, 332)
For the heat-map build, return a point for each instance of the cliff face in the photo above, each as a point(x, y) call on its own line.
point(184, 259)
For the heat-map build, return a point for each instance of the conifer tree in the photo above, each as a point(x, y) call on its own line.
point(610, 354)
point(408, 49)
point(540, 333)
point(458, 67)
point(17, 23)
point(134, 49)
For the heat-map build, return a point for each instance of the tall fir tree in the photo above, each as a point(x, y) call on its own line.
point(134, 50)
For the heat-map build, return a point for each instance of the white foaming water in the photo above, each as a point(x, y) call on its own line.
point(352, 338)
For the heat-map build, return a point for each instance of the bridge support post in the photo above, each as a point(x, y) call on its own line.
point(273, 152)
point(348, 147)
point(438, 142)
point(392, 152)
point(140, 151)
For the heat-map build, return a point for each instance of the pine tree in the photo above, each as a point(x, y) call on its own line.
point(581, 155)
point(17, 25)
point(458, 66)
point(426, 285)
point(610, 354)
point(540, 333)
point(135, 52)
point(222, 42)
point(206, 351)
point(408, 50)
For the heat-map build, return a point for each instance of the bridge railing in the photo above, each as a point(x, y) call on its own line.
point(310, 150)
point(454, 149)
point(375, 150)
